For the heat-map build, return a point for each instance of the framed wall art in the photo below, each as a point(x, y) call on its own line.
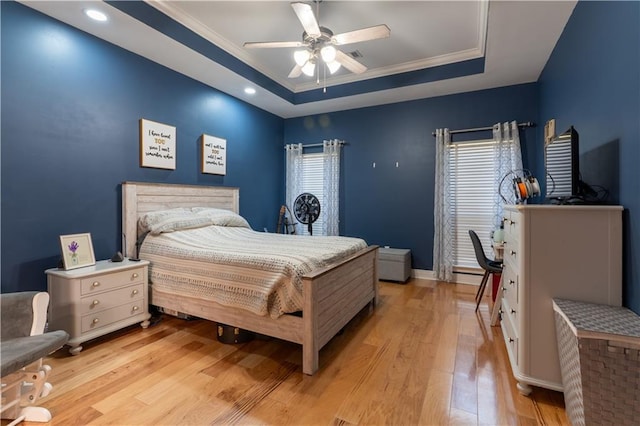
point(214, 155)
point(77, 251)
point(157, 145)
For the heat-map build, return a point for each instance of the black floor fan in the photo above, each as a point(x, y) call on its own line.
point(306, 208)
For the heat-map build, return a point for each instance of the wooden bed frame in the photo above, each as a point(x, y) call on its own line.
point(332, 295)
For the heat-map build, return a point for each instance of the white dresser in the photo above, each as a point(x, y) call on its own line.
point(95, 300)
point(568, 252)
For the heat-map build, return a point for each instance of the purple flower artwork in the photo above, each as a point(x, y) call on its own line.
point(73, 247)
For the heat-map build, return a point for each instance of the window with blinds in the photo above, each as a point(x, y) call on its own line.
point(472, 182)
point(312, 182)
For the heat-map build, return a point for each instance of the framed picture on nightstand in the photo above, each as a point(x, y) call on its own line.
point(77, 251)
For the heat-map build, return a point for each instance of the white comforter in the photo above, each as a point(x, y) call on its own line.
point(239, 267)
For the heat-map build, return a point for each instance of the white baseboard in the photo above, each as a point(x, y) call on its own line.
point(423, 274)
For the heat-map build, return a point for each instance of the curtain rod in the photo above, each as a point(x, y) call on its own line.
point(313, 145)
point(482, 129)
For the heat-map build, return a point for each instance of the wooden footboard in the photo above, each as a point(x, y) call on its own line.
point(332, 297)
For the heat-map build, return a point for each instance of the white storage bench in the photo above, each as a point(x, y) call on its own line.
point(599, 347)
point(394, 264)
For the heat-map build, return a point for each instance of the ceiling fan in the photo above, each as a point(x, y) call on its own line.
point(319, 44)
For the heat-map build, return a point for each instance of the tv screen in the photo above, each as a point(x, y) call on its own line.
point(561, 166)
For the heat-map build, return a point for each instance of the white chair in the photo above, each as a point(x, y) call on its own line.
point(23, 344)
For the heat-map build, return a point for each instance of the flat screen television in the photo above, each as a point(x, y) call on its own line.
point(562, 168)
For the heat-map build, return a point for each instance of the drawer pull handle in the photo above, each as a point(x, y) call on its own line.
point(512, 252)
point(134, 292)
point(95, 321)
point(504, 288)
point(511, 222)
point(135, 308)
point(95, 302)
point(511, 282)
point(134, 275)
point(513, 311)
point(500, 311)
point(95, 284)
point(510, 339)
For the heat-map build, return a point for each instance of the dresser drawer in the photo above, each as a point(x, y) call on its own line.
point(511, 223)
point(97, 320)
point(512, 314)
point(511, 287)
point(510, 255)
point(510, 338)
point(102, 301)
point(97, 284)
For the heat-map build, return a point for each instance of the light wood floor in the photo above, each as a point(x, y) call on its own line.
point(423, 357)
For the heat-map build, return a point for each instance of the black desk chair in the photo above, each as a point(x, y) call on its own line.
point(489, 266)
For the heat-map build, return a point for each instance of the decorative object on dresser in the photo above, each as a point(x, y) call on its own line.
point(93, 301)
point(571, 252)
point(394, 264)
point(599, 349)
point(77, 251)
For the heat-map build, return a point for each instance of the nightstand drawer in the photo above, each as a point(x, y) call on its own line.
point(102, 301)
point(101, 319)
point(97, 284)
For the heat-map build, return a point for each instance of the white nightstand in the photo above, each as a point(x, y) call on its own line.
point(95, 300)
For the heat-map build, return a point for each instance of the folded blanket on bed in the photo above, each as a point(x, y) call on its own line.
point(236, 266)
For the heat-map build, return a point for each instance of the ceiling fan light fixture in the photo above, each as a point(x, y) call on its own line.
point(328, 54)
point(301, 57)
point(309, 68)
point(333, 66)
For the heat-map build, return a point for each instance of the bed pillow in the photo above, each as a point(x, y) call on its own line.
point(171, 220)
point(222, 217)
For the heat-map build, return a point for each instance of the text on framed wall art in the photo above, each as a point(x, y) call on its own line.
point(214, 155)
point(157, 145)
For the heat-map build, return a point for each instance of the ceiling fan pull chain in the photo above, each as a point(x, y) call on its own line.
point(324, 79)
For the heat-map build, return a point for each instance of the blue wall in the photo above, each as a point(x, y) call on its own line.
point(70, 110)
point(394, 206)
point(592, 81)
point(71, 105)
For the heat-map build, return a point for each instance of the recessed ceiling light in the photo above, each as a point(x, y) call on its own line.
point(250, 91)
point(96, 15)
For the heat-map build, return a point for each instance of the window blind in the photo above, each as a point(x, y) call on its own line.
point(472, 182)
point(312, 182)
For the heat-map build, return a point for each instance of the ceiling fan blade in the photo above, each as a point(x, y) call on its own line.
point(272, 44)
point(349, 63)
point(295, 72)
point(365, 34)
point(307, 18)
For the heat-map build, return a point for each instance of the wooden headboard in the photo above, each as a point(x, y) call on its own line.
point(139, 198)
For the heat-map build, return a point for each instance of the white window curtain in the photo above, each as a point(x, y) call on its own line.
point(331, 186)
point(452, 219)
point(442, 212)
point(508, 158)
point(294, 176)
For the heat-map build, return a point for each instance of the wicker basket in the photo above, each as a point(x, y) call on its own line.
point(599, 348)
